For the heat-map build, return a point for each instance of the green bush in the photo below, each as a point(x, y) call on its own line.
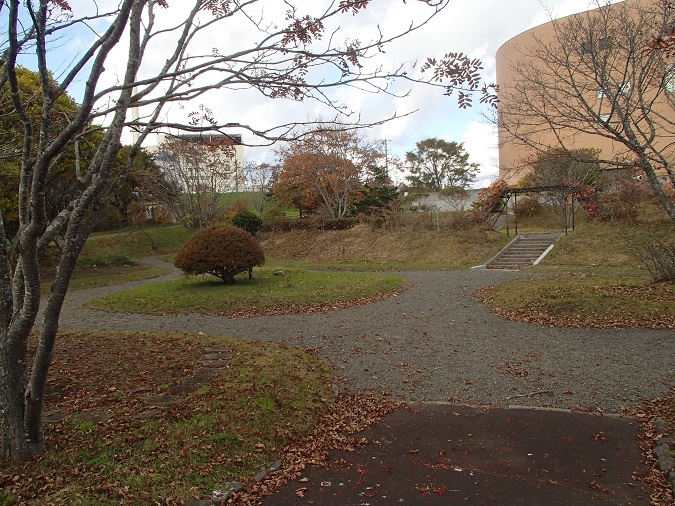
point(222, 251)
point(247, 220)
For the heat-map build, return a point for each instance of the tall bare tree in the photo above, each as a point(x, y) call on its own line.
point(197, 173)
point(599, 74)
point(556, 172)
point(259, 178)
point(167, 59)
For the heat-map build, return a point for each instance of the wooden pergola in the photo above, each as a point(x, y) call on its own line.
point(564, 189)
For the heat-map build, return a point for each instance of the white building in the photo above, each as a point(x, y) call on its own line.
point(202, 162)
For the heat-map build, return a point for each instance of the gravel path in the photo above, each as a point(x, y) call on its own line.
point(435, 342)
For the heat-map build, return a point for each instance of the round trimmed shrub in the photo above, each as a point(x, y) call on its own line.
point(247, 220)
point(222, 251)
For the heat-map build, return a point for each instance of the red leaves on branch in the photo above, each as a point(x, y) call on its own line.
point(202, 116)
point(665, 41)
point(458, 70)
point(63, 5)
point(353, 5)
point(353, 53)
point(489, 200)
point(219, 7)
point(302, 31)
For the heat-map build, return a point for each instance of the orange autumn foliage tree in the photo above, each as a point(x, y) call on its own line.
point(326, 168)
point(293, 187)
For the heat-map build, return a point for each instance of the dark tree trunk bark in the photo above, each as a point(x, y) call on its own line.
point(15, 445)
point(665, 202)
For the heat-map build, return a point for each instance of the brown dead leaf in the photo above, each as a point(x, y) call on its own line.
point(598, 486)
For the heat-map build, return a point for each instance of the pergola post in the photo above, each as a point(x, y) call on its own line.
point(572, 213)
point(515, 212)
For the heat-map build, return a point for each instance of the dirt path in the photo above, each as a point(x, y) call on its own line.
point(435, 342)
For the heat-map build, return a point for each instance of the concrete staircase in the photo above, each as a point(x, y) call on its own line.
point(524, 251)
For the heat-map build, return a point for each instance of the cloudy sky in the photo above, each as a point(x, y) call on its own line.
point(479, 28)
point(475, 27)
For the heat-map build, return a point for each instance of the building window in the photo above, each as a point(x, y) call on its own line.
point(623, 89)
point(604, 119)
point(669, 78)
point(602, 44)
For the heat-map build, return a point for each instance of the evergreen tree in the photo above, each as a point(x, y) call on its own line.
point(436, 163)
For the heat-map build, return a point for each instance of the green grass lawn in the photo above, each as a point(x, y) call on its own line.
point(136, 243)
point(94, 277)
point(296, 291)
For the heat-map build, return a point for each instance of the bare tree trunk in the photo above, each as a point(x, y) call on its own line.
point(35, 392)
point(667, 204)
point(15, 445)
point(23, 400)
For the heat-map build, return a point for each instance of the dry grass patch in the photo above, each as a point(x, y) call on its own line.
point(572, 300)
point(605, 245)
point(362, 245)
point(228, 429)
point(592, 278)
point(136, 243)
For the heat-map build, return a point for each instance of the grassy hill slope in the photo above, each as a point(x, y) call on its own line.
point(363, 246)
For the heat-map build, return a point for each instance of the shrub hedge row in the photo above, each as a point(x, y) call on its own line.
point(288, 224)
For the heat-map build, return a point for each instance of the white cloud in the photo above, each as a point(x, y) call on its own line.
point(474, 28)
point(480, 141)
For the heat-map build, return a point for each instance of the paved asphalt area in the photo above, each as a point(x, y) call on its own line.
point(450, 454)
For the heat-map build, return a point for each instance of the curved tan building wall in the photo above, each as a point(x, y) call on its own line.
point(514, 154)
